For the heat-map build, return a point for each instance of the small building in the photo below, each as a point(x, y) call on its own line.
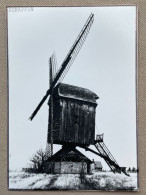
point(68, 160)
point(98, 166)
point(73, 115)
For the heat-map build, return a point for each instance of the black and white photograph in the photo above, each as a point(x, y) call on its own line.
point(72, 82)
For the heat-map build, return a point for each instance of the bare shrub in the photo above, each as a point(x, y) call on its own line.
point(37, 164)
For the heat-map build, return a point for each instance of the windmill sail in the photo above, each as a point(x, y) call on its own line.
point(52, 73)
point(68, 60)
point(50, 119)
point(53, 61)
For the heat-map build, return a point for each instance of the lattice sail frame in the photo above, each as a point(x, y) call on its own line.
point(68, 61)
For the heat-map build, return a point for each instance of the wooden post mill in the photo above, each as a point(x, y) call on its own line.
point(71, 121)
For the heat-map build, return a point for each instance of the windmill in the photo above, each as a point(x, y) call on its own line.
point(72, 109)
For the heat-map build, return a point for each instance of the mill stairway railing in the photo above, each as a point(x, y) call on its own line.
point(104, 152)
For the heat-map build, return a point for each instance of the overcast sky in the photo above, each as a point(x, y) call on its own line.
point(106, 65)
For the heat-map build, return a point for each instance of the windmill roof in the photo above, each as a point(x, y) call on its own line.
point(75, 92)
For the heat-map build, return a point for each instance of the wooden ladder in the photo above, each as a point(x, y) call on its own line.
point(104, 153)
point(108, 157)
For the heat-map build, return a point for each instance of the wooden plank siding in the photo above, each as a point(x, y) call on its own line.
point(73, 119)
point(74, 122)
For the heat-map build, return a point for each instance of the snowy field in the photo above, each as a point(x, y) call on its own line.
point(97, 181)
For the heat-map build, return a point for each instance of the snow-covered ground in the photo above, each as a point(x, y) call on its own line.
point(96, 181)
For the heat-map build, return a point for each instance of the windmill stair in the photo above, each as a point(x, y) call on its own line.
point(106, 154)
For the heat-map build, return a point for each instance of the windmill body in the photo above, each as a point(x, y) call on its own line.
point(73, 115)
